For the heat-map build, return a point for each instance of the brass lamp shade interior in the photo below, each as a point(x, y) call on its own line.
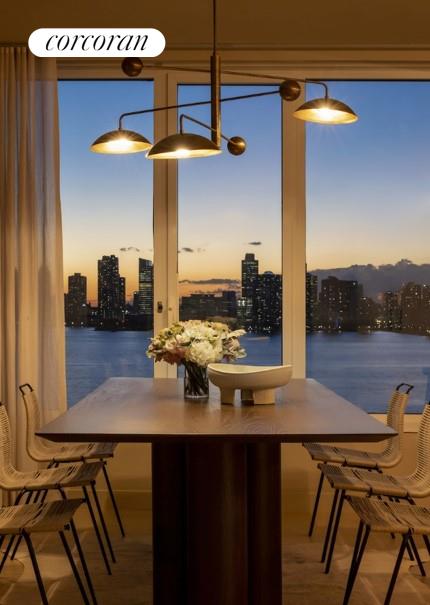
point(120, 141)
point(183, 145)
point(326, 111)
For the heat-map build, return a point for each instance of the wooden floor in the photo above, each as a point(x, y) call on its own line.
point(130, 584)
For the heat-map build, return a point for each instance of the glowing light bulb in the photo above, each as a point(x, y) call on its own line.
point(121, 144)
point(182, 153)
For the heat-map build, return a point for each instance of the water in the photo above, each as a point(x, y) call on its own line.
point(363, 368)
point(93, 356)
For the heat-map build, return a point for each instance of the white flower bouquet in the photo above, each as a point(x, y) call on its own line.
point(195, 344)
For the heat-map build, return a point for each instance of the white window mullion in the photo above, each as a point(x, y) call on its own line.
point(293, 242)
point(165, 220)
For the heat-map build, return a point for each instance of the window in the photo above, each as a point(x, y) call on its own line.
point(108, 239)
point(368, 260)
point(230, 210)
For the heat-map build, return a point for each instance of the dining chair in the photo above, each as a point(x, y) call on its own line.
point(368, 483)
point(391, 518)
point(54, 516)
point(53, 454)
point(38, 483)
point(389, 457)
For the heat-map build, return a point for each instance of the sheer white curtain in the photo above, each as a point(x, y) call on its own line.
point(31, 265)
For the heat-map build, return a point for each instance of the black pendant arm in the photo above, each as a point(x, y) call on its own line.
point(193, 104)
point(183, 117)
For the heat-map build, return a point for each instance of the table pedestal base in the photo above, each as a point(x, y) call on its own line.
point(217, 524)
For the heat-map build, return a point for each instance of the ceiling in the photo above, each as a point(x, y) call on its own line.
point(242, 23)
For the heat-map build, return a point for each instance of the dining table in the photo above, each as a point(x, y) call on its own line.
point(216, 476)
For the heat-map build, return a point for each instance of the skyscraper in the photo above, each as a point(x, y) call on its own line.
point(76, 301)
point(249, 277)
point(111, 294)
point(415, 308)
point(339, 303)
point(390, 311)
point(267, 309)
point(146, 292)
point(249, 274)
point(311, 301)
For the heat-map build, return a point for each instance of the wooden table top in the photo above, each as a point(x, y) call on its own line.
point(153, 410)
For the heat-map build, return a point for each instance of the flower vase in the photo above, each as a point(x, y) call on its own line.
point(196, 382)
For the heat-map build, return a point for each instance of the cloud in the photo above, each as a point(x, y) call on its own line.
point(254, 243)
point(213, 280)
point(191, 250)
point(129, 248)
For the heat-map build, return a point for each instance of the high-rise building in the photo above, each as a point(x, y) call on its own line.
point(369, 314)
point(425, 309)
point(76, 301)
point(208, 306)
point(249, 274)
point(111, 294)
point(198, 306)
point(249, 277)
point(228, 304)
point(311, 301)
point(146, 292)
point(415, 308)
point(136, 302)
point(339, 304)
point(390, 311)
point(244, 310)
point(267, 308)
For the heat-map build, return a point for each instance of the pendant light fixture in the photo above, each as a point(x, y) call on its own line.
point(326, 111)
point(182, 145)
point(120, 141)
point(190, 145)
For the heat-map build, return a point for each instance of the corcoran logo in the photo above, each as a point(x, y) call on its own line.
point(104, 42)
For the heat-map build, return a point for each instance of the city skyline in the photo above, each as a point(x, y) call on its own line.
point(257, 306)
point(332, 304)
point(358, 189)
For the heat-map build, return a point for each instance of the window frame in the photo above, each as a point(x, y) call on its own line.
point(334, 65)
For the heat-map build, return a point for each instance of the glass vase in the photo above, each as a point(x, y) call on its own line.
point(196, 383)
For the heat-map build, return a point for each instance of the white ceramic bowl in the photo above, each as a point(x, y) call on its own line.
point(257, 383)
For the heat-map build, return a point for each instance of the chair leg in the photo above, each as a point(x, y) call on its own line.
point(36, 569)
point(405, 540)
point(329, 526)
point(335, 530)
point(74, 568)
point(425, 538)
point(83, 561)
point(102, 521)
point(113, 499)
point(6, 553)
point(18, 539)
point(355, 563)
point(11, 538)
point(316, 505)
point(96, 529)
point(417, 557)
point(427, 543)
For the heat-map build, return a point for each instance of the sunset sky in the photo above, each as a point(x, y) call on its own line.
point(368, 183)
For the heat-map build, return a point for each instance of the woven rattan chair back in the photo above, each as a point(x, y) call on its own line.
point(421, 476)
point(392, 452)
point(7, 470)
point(36, 447)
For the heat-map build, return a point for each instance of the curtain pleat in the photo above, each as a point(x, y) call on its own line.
point(31, 261)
